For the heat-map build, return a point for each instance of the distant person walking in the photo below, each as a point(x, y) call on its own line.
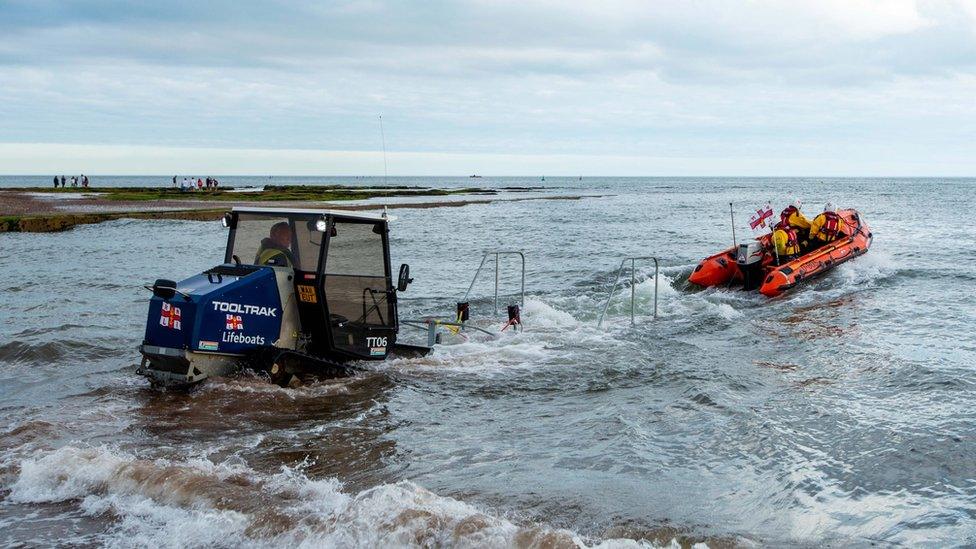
point(199, 183)
point(62, 181)
point(84, 181)
point(174, 181)
point(55, 182)
point(74, 181)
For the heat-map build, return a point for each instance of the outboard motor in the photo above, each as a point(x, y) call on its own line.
point(749, 259)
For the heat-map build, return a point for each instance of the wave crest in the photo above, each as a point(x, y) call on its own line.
point(199, 503)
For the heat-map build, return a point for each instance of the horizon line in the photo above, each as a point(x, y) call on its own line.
point(39, 159)
point(488, 176)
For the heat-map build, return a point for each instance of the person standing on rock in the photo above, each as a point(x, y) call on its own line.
point(174, 181)
point(55, 182)
point(62, 181)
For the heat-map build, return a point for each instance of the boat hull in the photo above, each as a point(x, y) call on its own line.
point(721, 269)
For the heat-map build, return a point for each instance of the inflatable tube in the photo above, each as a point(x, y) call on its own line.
point(856, 242)
point(716, 270)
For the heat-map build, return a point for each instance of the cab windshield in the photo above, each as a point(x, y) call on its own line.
point(278, 240)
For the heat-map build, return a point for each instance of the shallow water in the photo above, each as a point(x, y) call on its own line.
point(839, 414)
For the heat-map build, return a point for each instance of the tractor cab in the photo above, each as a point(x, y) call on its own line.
point(338, 267)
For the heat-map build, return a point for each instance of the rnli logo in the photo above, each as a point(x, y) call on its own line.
point(234, 322)
point(169, 317)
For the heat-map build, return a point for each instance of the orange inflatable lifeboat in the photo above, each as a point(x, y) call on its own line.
point(753, 263)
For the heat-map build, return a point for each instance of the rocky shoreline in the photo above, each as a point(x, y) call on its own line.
point(49, 210)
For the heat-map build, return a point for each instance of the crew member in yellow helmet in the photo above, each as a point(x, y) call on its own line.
point(826, 227)
point(276, 249)
point(786, 240)
point(792, 216)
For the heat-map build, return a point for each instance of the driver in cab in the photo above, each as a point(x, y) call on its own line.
point(275, 250)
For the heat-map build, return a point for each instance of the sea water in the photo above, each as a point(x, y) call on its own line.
point(841, 413)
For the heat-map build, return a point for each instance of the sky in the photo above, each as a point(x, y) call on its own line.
point(493, 87)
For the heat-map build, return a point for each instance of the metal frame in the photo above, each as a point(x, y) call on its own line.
point(366, 216)
point(633, 282)
point(484, 258)
point(430, 326)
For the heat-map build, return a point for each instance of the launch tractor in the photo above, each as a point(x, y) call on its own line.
point(300, 291)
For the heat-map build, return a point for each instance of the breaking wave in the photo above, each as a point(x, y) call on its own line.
point(164, 503)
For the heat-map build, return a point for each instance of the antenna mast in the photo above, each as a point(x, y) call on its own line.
point(383, 137)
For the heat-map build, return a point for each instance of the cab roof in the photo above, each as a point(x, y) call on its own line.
point(335, 213)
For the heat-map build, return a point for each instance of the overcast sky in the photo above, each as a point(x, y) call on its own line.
point(760, 87)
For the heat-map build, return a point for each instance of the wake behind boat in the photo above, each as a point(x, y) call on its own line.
point(756, 264)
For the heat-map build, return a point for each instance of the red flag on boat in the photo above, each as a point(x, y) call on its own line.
point(763, 218)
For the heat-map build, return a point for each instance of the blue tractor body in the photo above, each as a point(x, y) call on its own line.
point(225, 314)
point(299, 291)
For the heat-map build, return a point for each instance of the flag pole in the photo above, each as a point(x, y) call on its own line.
point(772, 236)
point(383, 137)
point(732, 217)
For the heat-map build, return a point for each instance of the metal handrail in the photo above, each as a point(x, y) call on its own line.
point(633, 289)
point(484, 258)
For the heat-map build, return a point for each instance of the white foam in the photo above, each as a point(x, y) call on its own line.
point(144, 522)
point(543, 315)
point(491, 357)
point(162, 503)
point(872, 266)
point(549, 336)
point(66, 473)
point(672, 303)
